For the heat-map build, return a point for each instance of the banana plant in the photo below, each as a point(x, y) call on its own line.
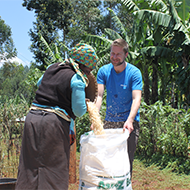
point(52, 51)
point(160, 26)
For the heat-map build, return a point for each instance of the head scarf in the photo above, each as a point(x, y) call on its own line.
point(83, 54)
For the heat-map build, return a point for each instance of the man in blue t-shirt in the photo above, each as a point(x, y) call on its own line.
point(123, 83)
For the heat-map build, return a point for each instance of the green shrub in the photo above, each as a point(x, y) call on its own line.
point(82, 125)
point(163, 136)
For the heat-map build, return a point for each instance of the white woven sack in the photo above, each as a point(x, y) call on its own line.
point(104, 161)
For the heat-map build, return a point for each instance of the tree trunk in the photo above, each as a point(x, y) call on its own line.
point(154, 82)
point(72, 162)
point(146, 86)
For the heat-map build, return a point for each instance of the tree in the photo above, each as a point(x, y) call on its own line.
point(88, 19)
point(63, 21)
point(48, 31)
point(7, 49)
point(160, 25)
point(53, 16)
point(12, 81)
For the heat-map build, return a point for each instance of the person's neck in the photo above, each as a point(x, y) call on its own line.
point(120, 68)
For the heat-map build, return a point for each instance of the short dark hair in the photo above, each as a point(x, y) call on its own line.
point(121, 43)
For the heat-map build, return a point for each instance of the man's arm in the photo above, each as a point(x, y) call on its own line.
point(99, 99)
point(100, 96)
point(136, 95)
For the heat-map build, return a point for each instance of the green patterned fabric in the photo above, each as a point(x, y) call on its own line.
point(84, 54)
point(79, 72)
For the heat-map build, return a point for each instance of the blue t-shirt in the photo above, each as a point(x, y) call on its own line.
point(119, 88)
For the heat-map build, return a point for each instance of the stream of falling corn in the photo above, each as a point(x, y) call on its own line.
point(95, 118)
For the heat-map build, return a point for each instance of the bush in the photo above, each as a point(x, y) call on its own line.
point(82, 125)
point(164, 136)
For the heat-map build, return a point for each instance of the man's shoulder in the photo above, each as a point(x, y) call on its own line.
point(133, 67)
point(106, 67)
point(104, 72)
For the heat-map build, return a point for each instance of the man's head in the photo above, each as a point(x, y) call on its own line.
point(121, 43)
point(119, 51)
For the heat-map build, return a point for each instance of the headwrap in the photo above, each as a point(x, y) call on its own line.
point(84, 54)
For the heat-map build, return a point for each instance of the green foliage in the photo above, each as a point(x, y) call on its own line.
point(30, 82)
point(130, 5)
point(53, 55)
point(12, 112)
point(18, 80)
point(183, 80)
point(64, 21)
point(185, 121)
point(183, 9)
point(7, 49)
point(49, 33)
point(12, 76)
point(164, 136)
point(82, 125)
point(12, 116)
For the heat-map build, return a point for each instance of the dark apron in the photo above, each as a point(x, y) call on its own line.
point(44, 158)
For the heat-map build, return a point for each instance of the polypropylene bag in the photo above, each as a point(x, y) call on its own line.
point(104, 161)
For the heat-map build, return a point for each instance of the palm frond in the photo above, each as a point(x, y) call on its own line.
point(130, 5)
point(132, 56)
point(46, 48)
point(97, 41)
point(61, 44)
point(112, 34)
point(159, 3)
point(57, 53)
point(158, 51)
point(48, 62)
point(183, 10)
point(104, 60)
point(156, 17)
point(118, 23)
point(173, 12)
point(179, 26)
point(104, 50)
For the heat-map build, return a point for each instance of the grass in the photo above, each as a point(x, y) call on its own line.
point(152, 178)
point(148, 178)
point(9, 159)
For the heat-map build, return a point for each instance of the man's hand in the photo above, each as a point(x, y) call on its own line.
point(128, 125)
